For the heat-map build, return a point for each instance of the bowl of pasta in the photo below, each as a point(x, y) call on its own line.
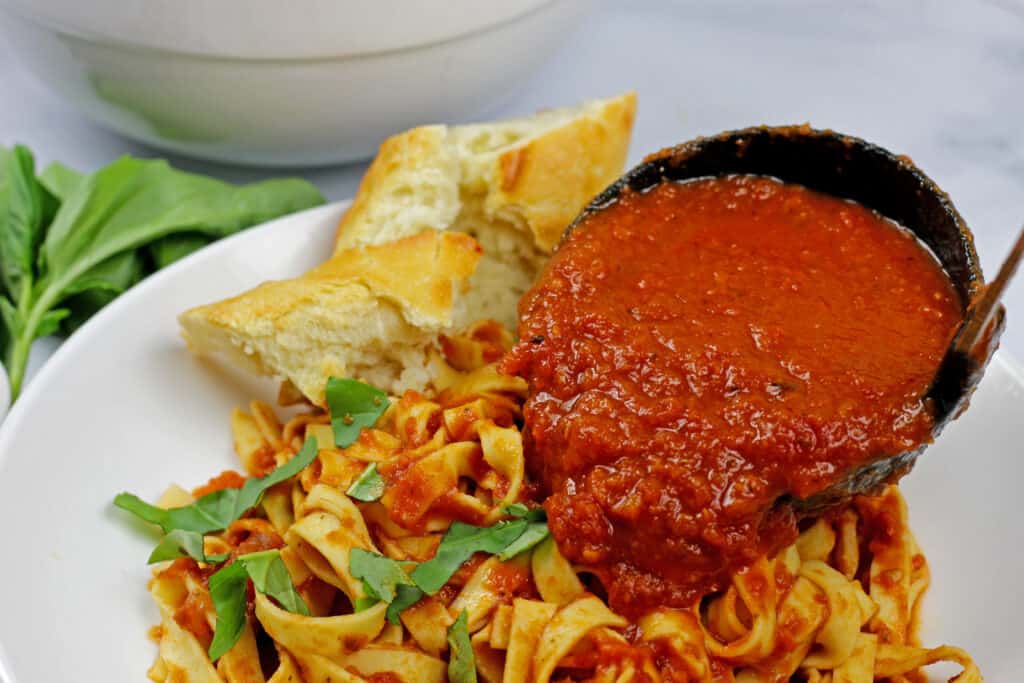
point(313, 457)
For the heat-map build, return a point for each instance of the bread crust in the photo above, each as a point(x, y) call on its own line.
point(419, 274)
point(551, 178)
point(543, 179)
point(305, 329)
point(421, 148)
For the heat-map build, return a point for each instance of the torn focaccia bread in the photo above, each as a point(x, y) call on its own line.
point(532, 174)
point(513, 185)
point(408, 266)
point(368, 312)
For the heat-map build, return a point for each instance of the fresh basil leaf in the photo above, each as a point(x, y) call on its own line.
point(380, 575)
point(364, 603)
point(369, 486)
point(171, 248)
point(9, 315)
point(386, 579)
point(516, 510)
point(405, 597)
point(133, 202)
point(459, 544)
point(461, 660)
point(60, 180)
point(228, 593)
point(389, 577)
point(252, 491)
point(5, 332)
point(371, 594)
point(522, 511)
point(100, 286)
point(115, 275)
point(82, 307)
point(534, 534)
point(228, 588)
point(181, 543)
point(353, 406)
point(123, 207)
point(216, 511)
point(29, 210)
point(270, 576)
point(50, 322)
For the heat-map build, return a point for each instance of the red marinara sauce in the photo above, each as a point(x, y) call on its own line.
point(698, 350)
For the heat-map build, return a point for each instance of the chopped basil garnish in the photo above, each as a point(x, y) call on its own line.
point(353, 406)
point(463, 540)
point(228, 591)
point(214, 511)
point(369, 486)
point(461, 661)
point(521, 511)
point(535, 533)
point(405, 596)
point(388, 580)
point(385, 580)
point(181, 543)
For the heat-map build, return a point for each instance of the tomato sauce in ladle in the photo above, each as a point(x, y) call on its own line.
point(699, 351)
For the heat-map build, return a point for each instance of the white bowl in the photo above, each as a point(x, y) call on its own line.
point(274, 83)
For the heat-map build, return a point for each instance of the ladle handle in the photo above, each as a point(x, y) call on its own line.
point(960, 368)
point(975, 323)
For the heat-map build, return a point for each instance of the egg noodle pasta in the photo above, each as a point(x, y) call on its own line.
point(837, 606)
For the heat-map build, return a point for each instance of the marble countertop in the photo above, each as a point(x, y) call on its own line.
point(939, 81)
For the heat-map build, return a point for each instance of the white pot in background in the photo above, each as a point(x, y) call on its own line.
point(272, 83)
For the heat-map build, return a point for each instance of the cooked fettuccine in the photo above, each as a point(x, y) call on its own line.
point(837, 606)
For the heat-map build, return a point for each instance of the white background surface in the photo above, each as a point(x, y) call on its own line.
point(940, 81)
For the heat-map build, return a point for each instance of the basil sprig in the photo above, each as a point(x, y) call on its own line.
point(462, 661)
point(353, 406)
point(228, 588)
point(369, 486)
point(71, 242)
point(214, 511)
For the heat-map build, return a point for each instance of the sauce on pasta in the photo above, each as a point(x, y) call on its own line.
point(839, 604)
point(698, 351)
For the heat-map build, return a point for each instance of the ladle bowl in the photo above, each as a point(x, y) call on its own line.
point(849, 168)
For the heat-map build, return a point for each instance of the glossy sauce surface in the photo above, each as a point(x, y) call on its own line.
point(699, 350)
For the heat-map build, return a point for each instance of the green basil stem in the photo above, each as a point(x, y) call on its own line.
point(21, 345)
